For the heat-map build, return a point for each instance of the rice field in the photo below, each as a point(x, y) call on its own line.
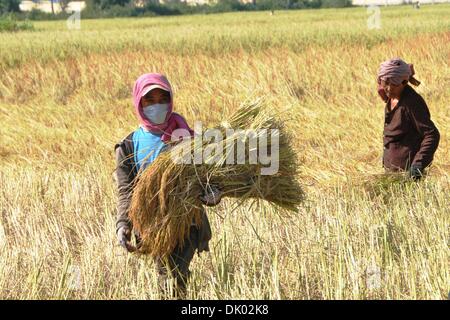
point(65, 100)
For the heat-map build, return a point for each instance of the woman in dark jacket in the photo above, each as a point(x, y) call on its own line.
point(410, 137)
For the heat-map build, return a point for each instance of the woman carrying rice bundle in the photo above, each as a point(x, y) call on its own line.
point(153, 102)
point(410, 137)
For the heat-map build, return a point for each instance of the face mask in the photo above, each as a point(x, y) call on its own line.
point(156, 113)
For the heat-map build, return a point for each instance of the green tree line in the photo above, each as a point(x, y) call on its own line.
point(121, 8)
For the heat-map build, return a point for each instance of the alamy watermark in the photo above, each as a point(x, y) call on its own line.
point(229, 146)
point(74, 20)
point(374, 20)
point(74, 277)
point(373, 276)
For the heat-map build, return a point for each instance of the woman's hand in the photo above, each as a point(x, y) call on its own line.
point(124, 237)
point(211, 196)
point(416, 172)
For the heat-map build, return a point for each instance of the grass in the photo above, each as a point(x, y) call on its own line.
point(65, 100)
point(9, 25)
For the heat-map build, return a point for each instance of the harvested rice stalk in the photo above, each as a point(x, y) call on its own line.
point(165, 200)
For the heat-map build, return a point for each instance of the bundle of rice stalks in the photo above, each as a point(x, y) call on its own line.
point(166, 201)
point(385, 185)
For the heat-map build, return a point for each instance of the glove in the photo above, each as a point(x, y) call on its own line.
point(124, 237)
point(416, 172)
point(211, 196)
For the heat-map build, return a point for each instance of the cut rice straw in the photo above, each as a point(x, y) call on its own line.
point(166, 202)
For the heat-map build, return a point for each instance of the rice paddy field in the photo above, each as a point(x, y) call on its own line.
point(65, 100)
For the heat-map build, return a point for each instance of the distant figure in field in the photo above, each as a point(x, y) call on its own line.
point(153, 103)
point(410, 137)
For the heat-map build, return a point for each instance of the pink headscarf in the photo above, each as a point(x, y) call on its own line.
point(396, 71)
point(173, 120)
